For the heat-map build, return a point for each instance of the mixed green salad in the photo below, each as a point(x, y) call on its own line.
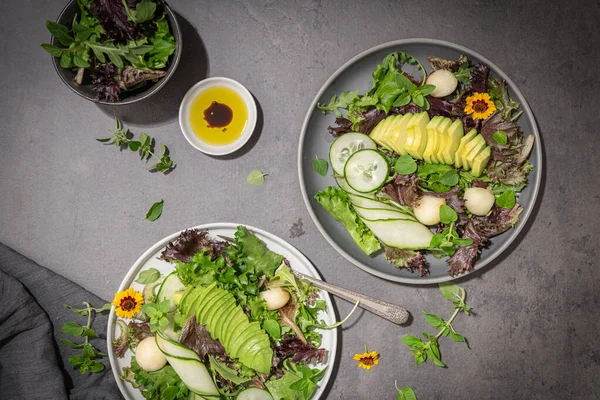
point(117, 46)
point(427, 162)
point(231, 321)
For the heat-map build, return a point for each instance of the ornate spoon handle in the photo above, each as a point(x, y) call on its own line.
point(391, 312)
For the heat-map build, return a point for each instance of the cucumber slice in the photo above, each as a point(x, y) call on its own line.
point(344, 185)
point(170, 285)
point(365, 202)
point(173, 348)
point(254, 394)
point(346, 145)
point(188, 366)
point(382, 214)
point(366, 170)
point(400, 233)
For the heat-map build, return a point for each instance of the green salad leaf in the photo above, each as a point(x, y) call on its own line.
point(163, 384)
point(337, 203)
point(254, 254)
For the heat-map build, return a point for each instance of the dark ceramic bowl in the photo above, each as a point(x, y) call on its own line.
point(85, 90)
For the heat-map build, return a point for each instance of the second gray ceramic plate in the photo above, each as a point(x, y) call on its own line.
point(315, 139)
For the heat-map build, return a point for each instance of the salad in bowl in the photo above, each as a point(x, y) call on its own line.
point(203, 317)
point(428, 163)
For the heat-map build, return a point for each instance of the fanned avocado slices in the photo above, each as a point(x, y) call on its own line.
point(216, 308)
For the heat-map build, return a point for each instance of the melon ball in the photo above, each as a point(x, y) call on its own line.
point(479, 201)
point(149, 356)
point(444, 81)
point(275, 298)
point(427, 209)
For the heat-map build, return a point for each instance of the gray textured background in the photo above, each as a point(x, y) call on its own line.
point(76, 206)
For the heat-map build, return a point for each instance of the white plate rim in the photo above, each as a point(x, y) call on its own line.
point(262, 234)
point(536, 183)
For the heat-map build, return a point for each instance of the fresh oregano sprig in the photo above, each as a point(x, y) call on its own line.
point(122, 137)
point(157, 314)
point(429, 348)
point(448, 239)
point(86, 362)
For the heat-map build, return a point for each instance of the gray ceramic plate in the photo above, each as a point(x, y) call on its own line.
point(315, 139)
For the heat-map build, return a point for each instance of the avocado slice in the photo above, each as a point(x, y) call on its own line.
point(480, 161)
point(376, 132)
point(410, 135)
point(463, 142)
point(237, 322)
point(431, 138)
point(466, 150)
point(250, 344)
point(228, 314)
point(262, 358)
point(396, 131)
point(442, 138)
point(204, 311)
point(217, 312)
point(399, 144)
point(420, 135)
point(454, 133)
point(251, 330)
point(474, 151)
point(252, 347)
point(204, 294)
point(381, 132)
point(189, 295)
point(391, 131)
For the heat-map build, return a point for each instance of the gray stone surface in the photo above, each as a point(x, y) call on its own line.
point(77, 207)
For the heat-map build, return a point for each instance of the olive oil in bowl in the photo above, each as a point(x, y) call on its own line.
point(218, 115)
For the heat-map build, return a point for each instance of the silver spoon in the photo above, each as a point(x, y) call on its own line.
point(391, 312)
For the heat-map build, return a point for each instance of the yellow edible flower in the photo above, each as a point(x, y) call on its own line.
point(367, 359)
point(128, 303)
point(480, 105)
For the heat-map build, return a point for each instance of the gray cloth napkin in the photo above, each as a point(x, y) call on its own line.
point(33, 364)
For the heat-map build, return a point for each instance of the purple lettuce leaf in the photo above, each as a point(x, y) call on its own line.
point(299, 351)
point(409, 259)
point(105, 82)
point(478, 80)
point(403, 190)
point(344, 125)
point(197, 338)
point(191, 242)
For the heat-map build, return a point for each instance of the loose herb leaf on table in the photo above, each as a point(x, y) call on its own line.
point(86, 362)
point(122, 137)
point(429, 348)
point(256, 177)
point(155, 211)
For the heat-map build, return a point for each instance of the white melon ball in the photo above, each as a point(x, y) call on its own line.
point(149, 356)
point(427, 209)
point(479, 201)
point(444, 81)
point(275, 298)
